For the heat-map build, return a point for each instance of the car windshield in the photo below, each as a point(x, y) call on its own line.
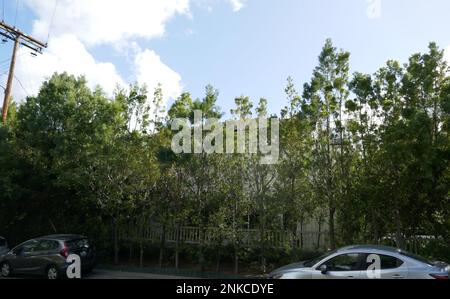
point(77, 244)
point(416, 257)
point(312, 262)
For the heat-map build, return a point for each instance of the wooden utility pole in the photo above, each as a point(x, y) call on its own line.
point(19, 38)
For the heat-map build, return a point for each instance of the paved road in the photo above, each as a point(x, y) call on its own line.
point(108, 274)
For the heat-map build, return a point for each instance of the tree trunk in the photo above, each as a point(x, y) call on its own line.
point(398, 232)
point(301, 233)
point(319, 233)
point(177, 247)
point(218, 259)
point(332, 229)
point(141, 243)
point(236, 260)
point(130, 256)
point(116, 241)
point(202, 251)
point(141, 252)
point(162, 247)
point(376, 231)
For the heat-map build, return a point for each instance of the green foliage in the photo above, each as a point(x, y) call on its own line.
point(365, 158)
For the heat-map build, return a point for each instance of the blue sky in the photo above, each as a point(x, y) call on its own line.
point(250, 51)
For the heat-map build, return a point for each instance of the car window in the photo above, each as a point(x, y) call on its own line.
point(387, 262)
point(27, 247)
point(314, 261)
point(47, 245)
point(416, 257)
point(344, 262)
point(390, 262)
point(78, 244)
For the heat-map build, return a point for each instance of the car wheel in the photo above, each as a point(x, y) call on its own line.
point(52, 273)
point(5, 269)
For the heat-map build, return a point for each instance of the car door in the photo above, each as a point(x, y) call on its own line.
point(391, 267)
point(343, 266)
point(20, 258)
point(44, 254)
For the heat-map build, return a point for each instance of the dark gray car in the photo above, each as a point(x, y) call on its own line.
point(48, 256)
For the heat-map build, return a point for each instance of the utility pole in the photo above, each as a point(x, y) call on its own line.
point(19, 38)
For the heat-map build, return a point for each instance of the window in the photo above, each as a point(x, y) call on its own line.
point(390, 262)
point(27, 247)
point(416, 257)
point(345, 262)
point(78, 244)
point(312, 262)
point(47, 245)
point(387, 262)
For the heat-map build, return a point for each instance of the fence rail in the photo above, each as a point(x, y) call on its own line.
point(244, 237)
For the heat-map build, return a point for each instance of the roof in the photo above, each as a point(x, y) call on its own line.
point(371, 247)
point(63, 237)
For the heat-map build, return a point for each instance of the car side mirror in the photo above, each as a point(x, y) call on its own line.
point(324, 269)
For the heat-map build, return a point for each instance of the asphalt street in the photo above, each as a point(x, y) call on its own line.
point(109, 274)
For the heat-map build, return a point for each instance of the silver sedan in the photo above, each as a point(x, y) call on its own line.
point(365, 262)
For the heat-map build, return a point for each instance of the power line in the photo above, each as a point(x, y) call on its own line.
point(5, 61)
point(50, 26)
point(4, 69)
point(21, 85)
point(17, 11)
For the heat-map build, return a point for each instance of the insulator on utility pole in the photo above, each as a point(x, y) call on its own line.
point(20, 39)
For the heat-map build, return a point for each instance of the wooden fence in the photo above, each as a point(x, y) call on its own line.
point(244, 237)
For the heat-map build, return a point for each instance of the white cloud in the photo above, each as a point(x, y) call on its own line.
point(79, 25)
point(151, 71)
point(64, 54)
point(105, 21)
point(237, 4)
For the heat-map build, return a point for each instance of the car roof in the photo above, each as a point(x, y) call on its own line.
point(63, 237)
point(371, 247)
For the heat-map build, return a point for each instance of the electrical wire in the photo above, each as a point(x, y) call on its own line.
point(4, 69)
point(21, 85)
point(5, 61)
point(17, 11)
point(3, 16)
point(50, 26)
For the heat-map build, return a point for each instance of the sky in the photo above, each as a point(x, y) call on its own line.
point(241, 47)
